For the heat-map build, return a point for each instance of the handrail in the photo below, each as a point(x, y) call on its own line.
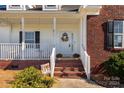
point(85, 58)
point(52, 61)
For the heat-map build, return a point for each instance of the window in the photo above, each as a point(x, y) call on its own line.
point(117, 40)
point(118, 33)
point(2, 7)
point(51, 7)
point(115, 34)
point(29, 37)
point(15, 7)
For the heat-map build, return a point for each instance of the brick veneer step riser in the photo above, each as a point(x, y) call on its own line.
point(69, 69)
point(68, 63)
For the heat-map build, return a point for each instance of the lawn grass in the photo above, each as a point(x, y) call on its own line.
point(6, 76)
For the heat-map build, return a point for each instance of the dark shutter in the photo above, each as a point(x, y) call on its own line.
point(37, 37)
point(110, 34)
point(20, 37)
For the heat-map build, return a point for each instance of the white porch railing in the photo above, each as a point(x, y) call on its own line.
point(52, 61)
point(85, 58)
point(18, 51)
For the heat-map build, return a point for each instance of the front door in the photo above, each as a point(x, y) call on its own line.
point(65, 43)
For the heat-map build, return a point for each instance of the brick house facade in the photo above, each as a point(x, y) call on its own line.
point(96, 33)
point(85, 26)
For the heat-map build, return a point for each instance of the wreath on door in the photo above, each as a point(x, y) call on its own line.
point(64, 37)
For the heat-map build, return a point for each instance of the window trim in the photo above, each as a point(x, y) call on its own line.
point(45, 7)
point(10, 7)
point(48, 7)
point(122, 34)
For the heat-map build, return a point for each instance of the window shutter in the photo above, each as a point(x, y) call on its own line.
point(110, 34)
point(37, 37)
point(20, 37)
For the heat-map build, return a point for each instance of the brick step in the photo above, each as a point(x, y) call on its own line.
point(69, 74)
point(4, 65)
point(69, 69)
point(64, 61)
point(67, 63)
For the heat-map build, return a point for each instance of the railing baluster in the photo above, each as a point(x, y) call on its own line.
point(18, 51)
point(30, 51)
point(27, 50)
point(1, 51)
point(13, 51)
point(33, 52)
point(5, 50)
point(10, 52)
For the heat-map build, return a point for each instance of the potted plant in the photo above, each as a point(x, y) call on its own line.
point(59, 56)
point(76, 56)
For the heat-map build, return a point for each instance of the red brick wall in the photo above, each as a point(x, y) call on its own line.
point(96, 32)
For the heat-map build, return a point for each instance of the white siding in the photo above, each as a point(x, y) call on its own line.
point(46, 33)
point(4, 33)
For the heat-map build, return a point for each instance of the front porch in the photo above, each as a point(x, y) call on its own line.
point(34, 38)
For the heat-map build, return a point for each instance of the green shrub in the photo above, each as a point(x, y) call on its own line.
point(115, 65)
point(32, 78)
point(48, 81)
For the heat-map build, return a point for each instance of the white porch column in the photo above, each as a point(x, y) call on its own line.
point(54, 32)
point(81, 33)
point(84, 32)
point(23, 37)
